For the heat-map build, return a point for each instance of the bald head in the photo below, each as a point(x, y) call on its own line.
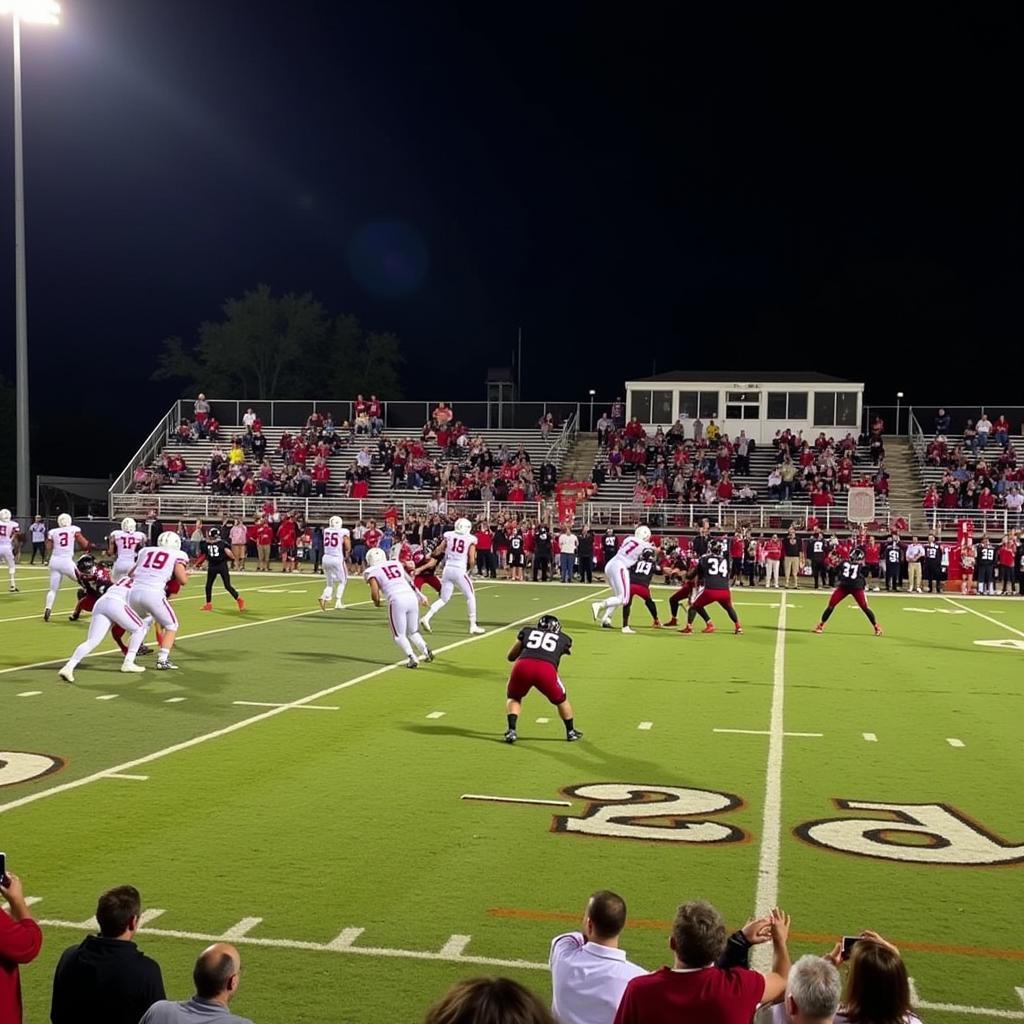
point(216, 972)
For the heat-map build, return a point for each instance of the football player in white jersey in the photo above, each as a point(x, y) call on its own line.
point(111, 609)
point(124, 545)
point(616, 573)
point(8, 531)
point(459, 549)
point(337, 545)
point(61, 542)
point(403, 598)
point(148, 596)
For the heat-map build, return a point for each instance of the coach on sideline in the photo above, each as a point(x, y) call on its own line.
point(588, 970)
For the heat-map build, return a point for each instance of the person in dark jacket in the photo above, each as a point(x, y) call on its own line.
point(107, 977)
point(585, 556)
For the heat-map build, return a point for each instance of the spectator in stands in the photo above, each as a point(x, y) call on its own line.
point(942, 422)
point(106, 977)
point(605, 425)
point(812, 994)
point(877, 986)
point(696, 988)
point(216, 977)
point(982, 429)
point(544, 424)
point(375, 410)
point(970, 437)
point(20, 942)
point(618, 412)
point(442, 414)
point(589, 972)
point(201, 414)
point(488, 1001)
point(1001, 430)
point(321, 477)
point(249, 418)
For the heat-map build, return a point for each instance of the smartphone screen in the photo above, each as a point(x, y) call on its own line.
point(3, 868)
point(849, 941)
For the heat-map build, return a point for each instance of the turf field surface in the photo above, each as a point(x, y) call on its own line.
point(294, 789)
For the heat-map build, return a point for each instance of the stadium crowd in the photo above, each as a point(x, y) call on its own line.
point(106, 977)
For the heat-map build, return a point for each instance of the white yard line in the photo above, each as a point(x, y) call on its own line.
point(982, 615)
point(771, 823)
point(263, 716)
point(870, 737)
point(130, 778)
point(954, 742)
point(514, 800)
point(279, 704)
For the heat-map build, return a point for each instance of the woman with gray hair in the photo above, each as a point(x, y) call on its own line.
point(812, 994)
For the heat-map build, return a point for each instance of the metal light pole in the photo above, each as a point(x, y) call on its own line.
point(45, 12)
point(592, 393)
point(899, 398)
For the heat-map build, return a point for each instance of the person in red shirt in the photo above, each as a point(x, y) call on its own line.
point(1007, 557)
point(725, 489)
point(696, 988)
point(20, 942)
point(772, 561)
point(287, 537)
point(373, 536)
point(263, 535)
point(872, 560)
point(321, 477)
point(359, 407)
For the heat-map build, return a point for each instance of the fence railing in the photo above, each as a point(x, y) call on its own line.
point(995, 521)
point(917, 442)
point(563, 442)
point(728, 517)
point(149, 449)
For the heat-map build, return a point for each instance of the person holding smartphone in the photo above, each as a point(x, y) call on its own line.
point(20, 942)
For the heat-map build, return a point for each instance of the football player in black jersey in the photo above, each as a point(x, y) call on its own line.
point(536, 654)
point(850, 584)
point(640, 586)
point(682, 568)
point(516, 554)
point(712, 572)
point(217, 553)
point(933, 564)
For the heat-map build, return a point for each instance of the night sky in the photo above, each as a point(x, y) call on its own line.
point(641, 187)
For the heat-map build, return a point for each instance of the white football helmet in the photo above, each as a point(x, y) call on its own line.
point(128, 524)
point(463, 526)
point(642, 534)
point(5, 515)
point(63, 519)
point(375, 557)
point(169, 539)
point(334, 522)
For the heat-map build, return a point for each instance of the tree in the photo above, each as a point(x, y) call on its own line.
point(287, 347)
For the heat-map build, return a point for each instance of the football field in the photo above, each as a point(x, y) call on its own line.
point(294, 790)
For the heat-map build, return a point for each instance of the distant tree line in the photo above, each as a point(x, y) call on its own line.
point(266, 346)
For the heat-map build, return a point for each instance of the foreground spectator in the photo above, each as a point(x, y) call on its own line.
point(487, 1001)
point(216, 977)
point(695, 988)
point(20, 942)
point(106, 977)
point(877, 987)
point(589, 972)
point(812, 994)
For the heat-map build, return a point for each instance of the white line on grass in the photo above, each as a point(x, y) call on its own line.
point(511, 800)
point(954, 742)
point(645, 725)
point(979, 1011)
point(130, 778)
point(195, 741)
point(543, 721)
point(771, 825)
point(768, 732)
point(31, 693)
point(987, 618)
point(436, 714)
point(271, 704)
point(243, 927)
point(108, 696)
point(870, 737)
point(455, 946)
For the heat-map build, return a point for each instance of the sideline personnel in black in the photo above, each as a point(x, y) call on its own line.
point(106, 977)
point(217, 553)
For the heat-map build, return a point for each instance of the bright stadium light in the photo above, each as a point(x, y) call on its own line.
point(37, 12)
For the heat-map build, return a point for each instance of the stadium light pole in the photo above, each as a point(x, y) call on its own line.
point(592, 393)
point(40, 12)
point(899, 398)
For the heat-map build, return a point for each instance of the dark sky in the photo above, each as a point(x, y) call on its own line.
point(638, 186)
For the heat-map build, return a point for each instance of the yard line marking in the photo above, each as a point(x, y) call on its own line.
point(987, 618)
point(30, 693)
point(767, 732)
point(243, 927)
point(316, 947)
point(543, 721)
point(954, 742)
point(344, 939)
point(227, 730)
point(175, 700)
point(455, 946)
point(514, 800)
point(870, 737)
point(131, 778)
point(149, 915)
point(29, 901)
point(108, 696)
point(978, 1011)
point(645, 725)
point(270, 704)
point(436, 714)
point(771, 826)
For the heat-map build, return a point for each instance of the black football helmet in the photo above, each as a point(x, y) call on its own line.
point(648, 554)
point(213, 533)
point(716, 547)
point(86, 565)
point(857, 555)
point(549, 624)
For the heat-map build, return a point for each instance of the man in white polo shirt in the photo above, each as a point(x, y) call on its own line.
point(915, 558)
point(588, 971)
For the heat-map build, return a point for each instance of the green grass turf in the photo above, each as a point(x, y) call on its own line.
point(318, 821)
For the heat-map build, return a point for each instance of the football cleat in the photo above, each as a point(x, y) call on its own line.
point(672, 622)
point(241, 604)
point(878, 630)
point(573, 735)
point(46, 615)
point(67, 674)
point(322, 603)
point(606, 624)
point(626, 629)
point(206, 607)
point(709, 628)
point(339, 606)
point(655, 624)
point(687, 629)
point(163, 666)
point(73, 618)
point(510, 736)
point(130, 666)
point(429, 656)
point(475, 630)
point(425, 623)
point(596, 609)
point(820, 627)
point(145, 649)
point(13, 589)
point(411, 662)
point(738, 631)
